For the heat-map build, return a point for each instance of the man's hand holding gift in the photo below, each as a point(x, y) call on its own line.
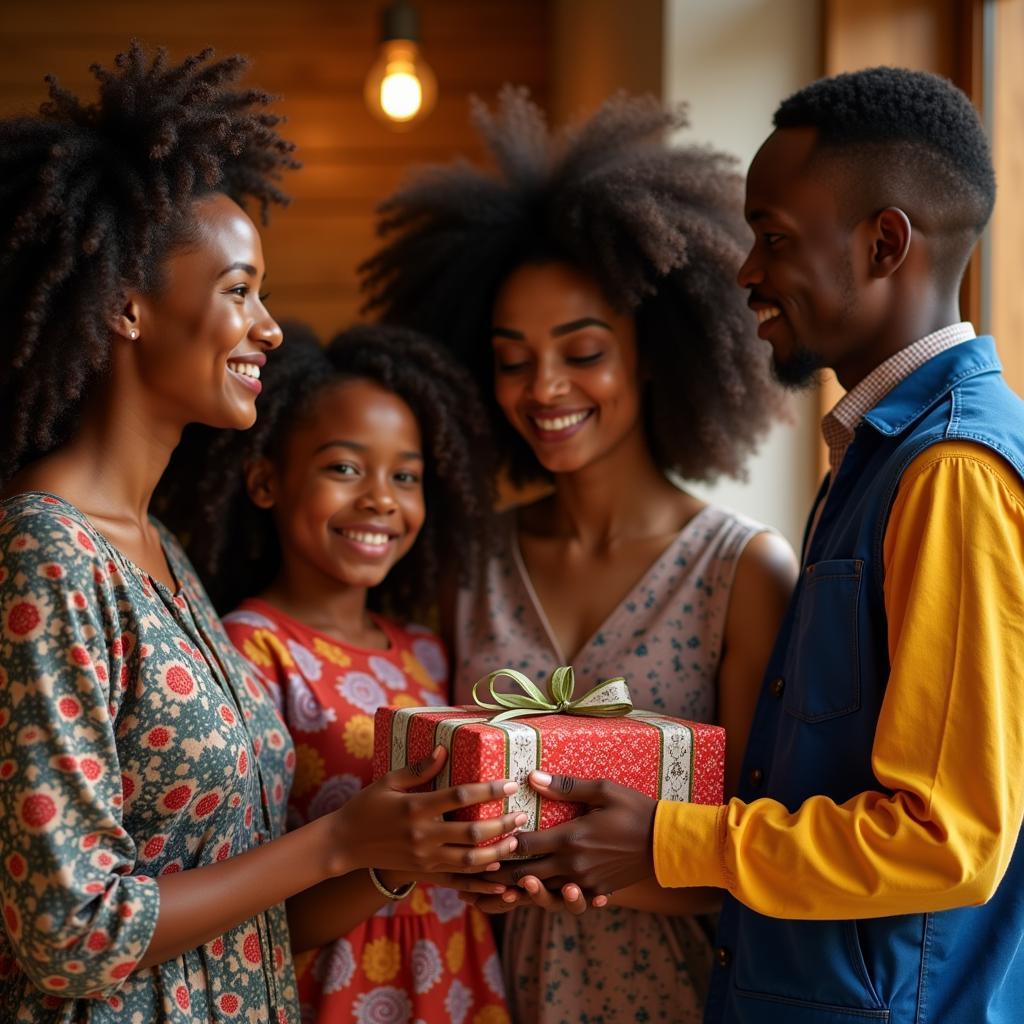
point(600, 852)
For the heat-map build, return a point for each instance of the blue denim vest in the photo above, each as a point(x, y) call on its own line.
point(813, 733)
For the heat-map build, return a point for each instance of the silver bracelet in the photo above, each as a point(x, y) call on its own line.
point(391, 894)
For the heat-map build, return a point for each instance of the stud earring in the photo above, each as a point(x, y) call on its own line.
point(133, 334)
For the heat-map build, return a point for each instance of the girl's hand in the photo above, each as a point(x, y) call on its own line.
point(570, 898)
point(463, 884)
point(386, 826)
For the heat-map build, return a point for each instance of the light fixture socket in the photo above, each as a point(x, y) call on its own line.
point(400, 20)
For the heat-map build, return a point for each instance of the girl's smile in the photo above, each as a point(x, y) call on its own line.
point(347, 491)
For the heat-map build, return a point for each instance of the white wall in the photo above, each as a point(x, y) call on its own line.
point(733, 61)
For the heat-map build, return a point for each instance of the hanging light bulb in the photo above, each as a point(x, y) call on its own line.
point(400, 87)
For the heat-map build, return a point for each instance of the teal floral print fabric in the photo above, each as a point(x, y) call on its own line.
point(134, 742)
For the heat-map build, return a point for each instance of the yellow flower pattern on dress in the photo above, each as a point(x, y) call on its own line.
point(332, 652)
point(492, 1014)
point(414, 668)
point(479, 924)
point(303, 962)
point(381, 959)
point(456, 952)
point(359, 736)
point(420, 902)
point(263, 648)
point(309, 769)
point(406, 700)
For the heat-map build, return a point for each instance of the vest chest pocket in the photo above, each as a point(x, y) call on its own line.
point(824, 660)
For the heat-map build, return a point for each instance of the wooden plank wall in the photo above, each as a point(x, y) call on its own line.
point(1007, 244)
point(315, 54)
point(941, 36)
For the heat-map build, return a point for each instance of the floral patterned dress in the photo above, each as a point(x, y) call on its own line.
point(134, 742)
point(618, 964)
point(426, 959)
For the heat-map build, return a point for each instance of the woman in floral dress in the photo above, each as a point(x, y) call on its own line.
point(144, 771)
point(366, 473)
point(598, 305)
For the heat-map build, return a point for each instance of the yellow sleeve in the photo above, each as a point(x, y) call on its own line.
point(950, 736)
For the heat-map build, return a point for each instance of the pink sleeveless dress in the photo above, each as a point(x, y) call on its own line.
point(666, 638)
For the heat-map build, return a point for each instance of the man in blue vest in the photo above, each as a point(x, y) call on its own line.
point(870, 858)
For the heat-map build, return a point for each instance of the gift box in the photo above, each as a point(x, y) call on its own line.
point(662, 757)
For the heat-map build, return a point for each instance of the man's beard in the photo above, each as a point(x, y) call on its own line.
point(798, 371)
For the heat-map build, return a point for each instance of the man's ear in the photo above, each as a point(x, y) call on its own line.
point(127, 323)
point(260, 482)
point(892, 233)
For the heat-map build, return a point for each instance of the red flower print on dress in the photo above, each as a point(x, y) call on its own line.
point(122, 970)
point(25, 618)
point(69, 707)
point(12, 919)
point(177, 797)
point(16, 866)
point(179, 681)
point(229, 1003)
point(160, 737)
point(79, 656)
point(248, 947)
point(39, 809)
point(153, 847)
point(206, 804)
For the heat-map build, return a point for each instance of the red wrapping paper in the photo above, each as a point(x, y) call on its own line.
point(662, 757)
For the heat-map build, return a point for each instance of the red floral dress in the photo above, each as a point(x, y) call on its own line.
point(426, 959)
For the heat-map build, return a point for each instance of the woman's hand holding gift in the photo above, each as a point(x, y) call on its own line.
point(385, 826)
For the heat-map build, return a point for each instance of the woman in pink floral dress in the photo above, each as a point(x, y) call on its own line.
point(597, 304)
point(365, 475)
point(144, 867)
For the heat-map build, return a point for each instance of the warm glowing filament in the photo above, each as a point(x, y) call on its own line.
point(401, 94)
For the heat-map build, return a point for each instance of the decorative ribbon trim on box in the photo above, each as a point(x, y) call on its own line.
point(523, 753)
point(609, 699)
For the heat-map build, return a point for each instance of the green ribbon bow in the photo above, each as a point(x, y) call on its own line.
point(609, 699)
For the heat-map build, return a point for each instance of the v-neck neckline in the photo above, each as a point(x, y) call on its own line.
point(538, 608)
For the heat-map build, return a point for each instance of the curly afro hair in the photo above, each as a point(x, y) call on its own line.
point(92, 199)
point(233, 543)
point(910, 139)
point(660, 229)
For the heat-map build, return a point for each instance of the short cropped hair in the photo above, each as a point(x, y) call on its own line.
point(908, 138)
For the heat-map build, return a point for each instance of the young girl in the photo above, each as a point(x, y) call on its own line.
point(364, 480)
point(143, 771)
point(590, 285)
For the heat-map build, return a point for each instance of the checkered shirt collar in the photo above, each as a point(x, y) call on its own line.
point(838, 425)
